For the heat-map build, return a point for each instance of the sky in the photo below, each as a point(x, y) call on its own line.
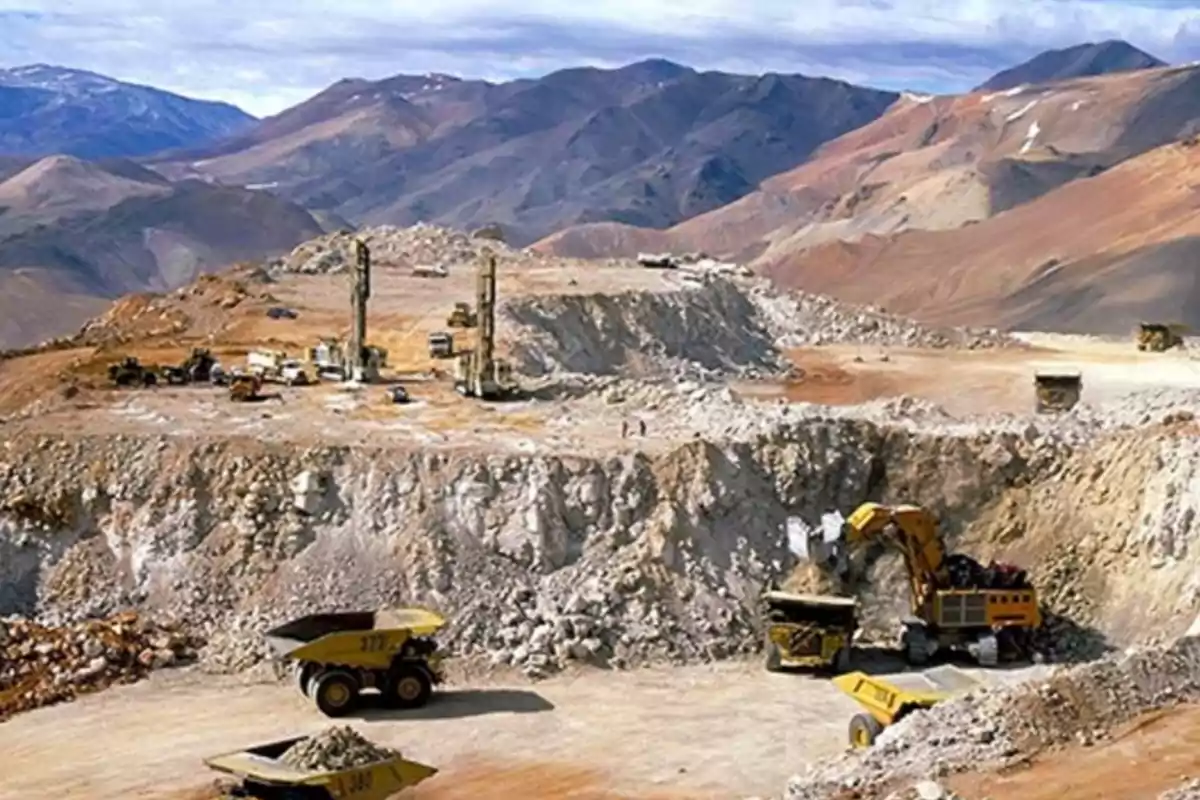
point(266, 55)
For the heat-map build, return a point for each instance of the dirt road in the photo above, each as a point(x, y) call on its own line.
point(725, 731)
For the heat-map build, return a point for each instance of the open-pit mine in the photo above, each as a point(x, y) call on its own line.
point(597, 542)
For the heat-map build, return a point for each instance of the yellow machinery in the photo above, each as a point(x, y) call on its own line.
point(957, 604)
point(1057, 391)
point(478, 373)
point(1158, 337)
point(266, 777)
point(888, 700)
point(462, 316)
point(810, 631)
point(338, 656)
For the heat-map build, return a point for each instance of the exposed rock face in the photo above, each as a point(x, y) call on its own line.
point(538, 560)
point(544, 559)
point(691, 332)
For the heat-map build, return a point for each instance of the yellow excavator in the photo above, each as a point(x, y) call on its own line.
point(957, 604)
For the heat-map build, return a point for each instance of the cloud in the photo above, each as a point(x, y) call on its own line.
point(270, 54)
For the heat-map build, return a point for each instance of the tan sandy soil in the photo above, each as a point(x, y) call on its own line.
point(699, 732)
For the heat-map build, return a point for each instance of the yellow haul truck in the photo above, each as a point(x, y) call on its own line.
point(264, 776)
point(810, 631)
point(338, 656)
point(887, 700)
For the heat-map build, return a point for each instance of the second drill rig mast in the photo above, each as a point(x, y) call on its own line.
point(360, 291)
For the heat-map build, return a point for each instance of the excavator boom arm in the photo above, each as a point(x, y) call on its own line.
point(913, 531)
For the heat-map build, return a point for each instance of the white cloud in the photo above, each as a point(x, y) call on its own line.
point(269, 54)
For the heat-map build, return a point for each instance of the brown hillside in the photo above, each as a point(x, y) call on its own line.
point(1095, 255)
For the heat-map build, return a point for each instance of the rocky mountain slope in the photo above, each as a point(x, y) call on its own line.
point(962, 164)
point(46, 110)
point(650, 144)
point(1097, 255)
point(1080, 61)
point(74, 234)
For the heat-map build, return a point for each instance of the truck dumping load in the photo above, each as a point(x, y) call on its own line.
point(335, 749)
point(42, 665)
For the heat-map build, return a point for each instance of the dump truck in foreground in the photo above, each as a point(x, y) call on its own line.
point(263, 775)
point(1057, 391)
point(809, 631)
point(339, 656)
point(887, 700)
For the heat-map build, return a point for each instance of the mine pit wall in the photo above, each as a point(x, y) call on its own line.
point(713, 328)
point(540, 560)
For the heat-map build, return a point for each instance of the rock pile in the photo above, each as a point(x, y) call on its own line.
point(997, 725)
point(42, 665)
point(421, 245)
point(798, 319)
point(335, 749)
point(695, 334)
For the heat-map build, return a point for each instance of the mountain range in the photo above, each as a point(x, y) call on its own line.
point(107, 187)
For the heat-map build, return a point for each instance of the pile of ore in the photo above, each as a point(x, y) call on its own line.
point(42, 665)
point(335, 749)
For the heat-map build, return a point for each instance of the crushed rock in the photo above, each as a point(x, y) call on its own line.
point(997, 725)
point(42, 665)
point(335, 749)
point(1188, 790)
point(421, 245)
point(799, 319)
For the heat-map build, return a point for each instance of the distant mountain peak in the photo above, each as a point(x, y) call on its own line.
point(47, 109)
point(1079, 61)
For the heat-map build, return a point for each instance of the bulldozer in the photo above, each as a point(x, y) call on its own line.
point(462, 316)
point(1057, 391)
point(130, 372)
point(808, 631)
point(957, 604)
point(1157, 337)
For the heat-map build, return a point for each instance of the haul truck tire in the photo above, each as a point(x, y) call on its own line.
point(774, 663)
point(863, 730)
point(408, 687)
point(335, 693)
